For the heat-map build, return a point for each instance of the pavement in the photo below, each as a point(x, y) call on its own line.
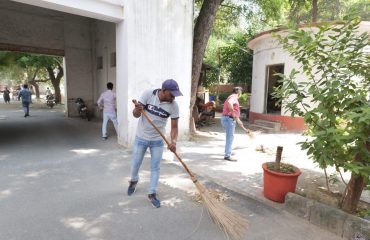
point(59, 180)
point(204, 155)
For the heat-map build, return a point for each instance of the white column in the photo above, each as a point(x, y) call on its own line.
point(153, 43)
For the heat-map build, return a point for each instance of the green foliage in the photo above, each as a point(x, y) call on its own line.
point(363, 213)
point(243, 99)
point(299, 11)
point(227, 52)
point(222, 98)
point(334, 98)
point(17, 66)
point(271, 10)
point(237, 60)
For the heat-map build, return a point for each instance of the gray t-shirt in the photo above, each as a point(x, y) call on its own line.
point(158, 112)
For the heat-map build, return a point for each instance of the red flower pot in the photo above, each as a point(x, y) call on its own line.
point(276, 185)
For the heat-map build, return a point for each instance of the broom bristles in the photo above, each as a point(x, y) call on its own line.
point(231, 223)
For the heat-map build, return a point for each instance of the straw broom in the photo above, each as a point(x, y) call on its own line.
point(231, 223)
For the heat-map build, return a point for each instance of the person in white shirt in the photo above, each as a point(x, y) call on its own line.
point(47, 92)
point(107, 104)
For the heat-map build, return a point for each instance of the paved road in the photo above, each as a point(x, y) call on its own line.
point(58, 180)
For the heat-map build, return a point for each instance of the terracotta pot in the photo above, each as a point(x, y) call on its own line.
point(276, 185)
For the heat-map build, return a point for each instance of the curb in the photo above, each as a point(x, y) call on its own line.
point(344, 225)
point(332, 219)
point(324, 216)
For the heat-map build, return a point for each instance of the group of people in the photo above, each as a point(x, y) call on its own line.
point(160, 105)
point(23, 94)
point(6, 94)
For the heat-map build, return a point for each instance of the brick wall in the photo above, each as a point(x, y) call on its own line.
point(228, 88)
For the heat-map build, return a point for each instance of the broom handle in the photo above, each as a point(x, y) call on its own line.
point(168, 143)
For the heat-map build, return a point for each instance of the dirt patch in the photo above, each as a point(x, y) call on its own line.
point(313, 185)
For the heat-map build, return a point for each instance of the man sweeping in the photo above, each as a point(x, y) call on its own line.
point(230, 116)
point(160, 105)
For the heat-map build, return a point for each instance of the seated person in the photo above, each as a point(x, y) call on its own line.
point(207, 111)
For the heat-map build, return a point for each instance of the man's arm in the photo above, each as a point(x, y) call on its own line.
point(174, 133)
point(100, 102)
point(241, 125)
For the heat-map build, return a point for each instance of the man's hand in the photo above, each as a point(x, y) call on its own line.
point(138, 108)
point(247, 131)
point(172, 147)
point(250, 133)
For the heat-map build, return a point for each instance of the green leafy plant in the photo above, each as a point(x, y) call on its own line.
point(243, 99)
point(222, 97)
point(364, 212)
point(333, 97)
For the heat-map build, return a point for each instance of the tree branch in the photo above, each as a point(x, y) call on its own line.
point(42, 80)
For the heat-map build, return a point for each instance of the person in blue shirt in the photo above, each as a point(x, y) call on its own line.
point(25, 94)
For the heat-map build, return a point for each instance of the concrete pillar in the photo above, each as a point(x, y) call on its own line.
point(153, 43)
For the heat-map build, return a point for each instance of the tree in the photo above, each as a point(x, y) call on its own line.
point(202, 31)
point(264, 9)
point(237, 60)
point(36, 69)
point(334, 99)
point(326, 10)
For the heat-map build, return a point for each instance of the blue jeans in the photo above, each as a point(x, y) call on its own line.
point(156, 152)
point(109, 116)
point(229, 125)
point(26, 107)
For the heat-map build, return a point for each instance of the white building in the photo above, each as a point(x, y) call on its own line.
point(136, 44)
point(268, 58)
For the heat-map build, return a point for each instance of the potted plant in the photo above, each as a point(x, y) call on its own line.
point(279, 178)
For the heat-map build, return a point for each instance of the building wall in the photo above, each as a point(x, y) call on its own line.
point(266, 52)
point(78, 61)
point(154, 43)
point(30, 26)
point(104, 45)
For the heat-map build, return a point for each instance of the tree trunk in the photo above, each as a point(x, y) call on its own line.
point(352, 193)
point(36, 86)
point(55, 81)
point(202, 31)
point(32, 81)
point(354, 188)
point(314, 11)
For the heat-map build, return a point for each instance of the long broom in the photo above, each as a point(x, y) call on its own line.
point(231, 223)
